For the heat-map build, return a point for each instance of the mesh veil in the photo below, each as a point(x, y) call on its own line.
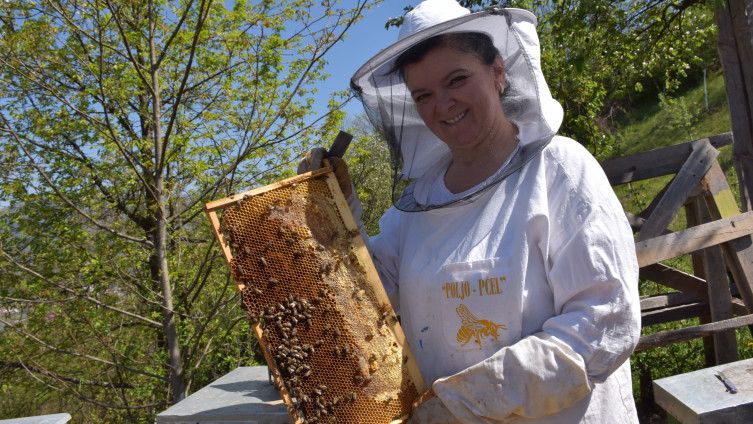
point(415, 150)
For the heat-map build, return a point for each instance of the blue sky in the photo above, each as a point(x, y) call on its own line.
point(366, 38)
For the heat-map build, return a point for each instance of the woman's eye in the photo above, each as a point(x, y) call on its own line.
point(457, 80)
point(420, 97)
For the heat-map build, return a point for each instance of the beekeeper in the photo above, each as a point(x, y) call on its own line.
point(506, 254)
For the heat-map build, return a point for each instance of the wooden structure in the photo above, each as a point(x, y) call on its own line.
point(717, 236)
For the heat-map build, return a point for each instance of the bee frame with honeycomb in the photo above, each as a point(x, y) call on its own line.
point(332, 342)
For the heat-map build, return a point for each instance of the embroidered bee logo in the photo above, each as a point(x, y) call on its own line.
point(474, 327)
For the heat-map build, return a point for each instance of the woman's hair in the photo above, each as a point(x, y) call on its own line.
point(475, 43)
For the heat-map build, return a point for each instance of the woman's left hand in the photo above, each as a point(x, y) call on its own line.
point(314, 160)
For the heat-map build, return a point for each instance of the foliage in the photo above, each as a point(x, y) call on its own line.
point(369, 165)
point(119, 120)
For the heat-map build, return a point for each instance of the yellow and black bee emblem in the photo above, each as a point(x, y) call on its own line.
point(474, 327)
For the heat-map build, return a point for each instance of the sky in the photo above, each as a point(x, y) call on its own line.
point(366, 38)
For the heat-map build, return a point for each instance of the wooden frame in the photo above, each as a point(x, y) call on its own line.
point(717, 236)
point(336, 290)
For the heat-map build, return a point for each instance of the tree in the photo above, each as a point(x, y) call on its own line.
point(370, 170)
point(119, 120)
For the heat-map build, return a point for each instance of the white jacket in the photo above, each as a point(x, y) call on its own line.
point(522, 304)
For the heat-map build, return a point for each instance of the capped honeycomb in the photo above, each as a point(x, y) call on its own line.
point(331, 340)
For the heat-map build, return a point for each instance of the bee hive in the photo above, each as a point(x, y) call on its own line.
point(331, 340)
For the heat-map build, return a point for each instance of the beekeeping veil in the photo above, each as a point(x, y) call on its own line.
point(415, 150)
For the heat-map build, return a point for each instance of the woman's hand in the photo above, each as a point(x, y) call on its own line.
point(313, 161)
point(428, 409)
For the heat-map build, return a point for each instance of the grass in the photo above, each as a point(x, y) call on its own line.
point(672, 120)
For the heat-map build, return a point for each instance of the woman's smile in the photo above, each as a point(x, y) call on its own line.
point(455, 119)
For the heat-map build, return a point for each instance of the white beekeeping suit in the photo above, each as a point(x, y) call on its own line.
point(518, 297)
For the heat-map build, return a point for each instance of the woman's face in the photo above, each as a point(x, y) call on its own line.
point(457, 96)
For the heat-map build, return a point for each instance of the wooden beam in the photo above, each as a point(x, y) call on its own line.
point(664, 300)
point(736, 80)
point(675, 279)
point(738, 253)
point(655, 163)
point(675, 336)
point(668, 246)
point(720, 348)
point(694, 168)
point(674, 313)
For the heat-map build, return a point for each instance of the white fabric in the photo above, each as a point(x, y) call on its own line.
point(524, 303)
point(428, 14)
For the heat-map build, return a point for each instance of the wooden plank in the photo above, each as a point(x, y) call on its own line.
point(668, 246)
point(675, 279)
point(738, 253)
point(720, 199)
point(720, 298)
point(709, 265)
point(689, 333)
point(674, 313)
point(686, 283)
point(720, 304)
point(739, 107)
point(694, 168)
point(223, 203)
point(664, 300)
point(655, 163)
point(224, 243)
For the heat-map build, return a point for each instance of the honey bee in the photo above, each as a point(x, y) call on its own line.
point(474, 327)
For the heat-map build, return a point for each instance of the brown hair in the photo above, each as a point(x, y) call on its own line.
point(475, 43)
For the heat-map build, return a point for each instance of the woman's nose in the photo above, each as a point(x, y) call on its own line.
point(445, 100)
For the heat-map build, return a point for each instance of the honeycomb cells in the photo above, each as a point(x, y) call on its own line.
point(326, 336)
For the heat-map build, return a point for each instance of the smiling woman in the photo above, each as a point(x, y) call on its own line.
point(508, 257)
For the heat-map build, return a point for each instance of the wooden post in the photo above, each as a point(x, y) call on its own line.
point(736, 54)
point(738, 252)
point(710, 266)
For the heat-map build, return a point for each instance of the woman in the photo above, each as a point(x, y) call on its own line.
point(508, 257)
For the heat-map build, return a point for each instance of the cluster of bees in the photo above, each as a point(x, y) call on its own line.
point(282, 322)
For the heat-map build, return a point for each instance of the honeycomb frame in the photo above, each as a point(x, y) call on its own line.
point(331, 340)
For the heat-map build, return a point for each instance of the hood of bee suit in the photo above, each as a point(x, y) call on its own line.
point(527, 102)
